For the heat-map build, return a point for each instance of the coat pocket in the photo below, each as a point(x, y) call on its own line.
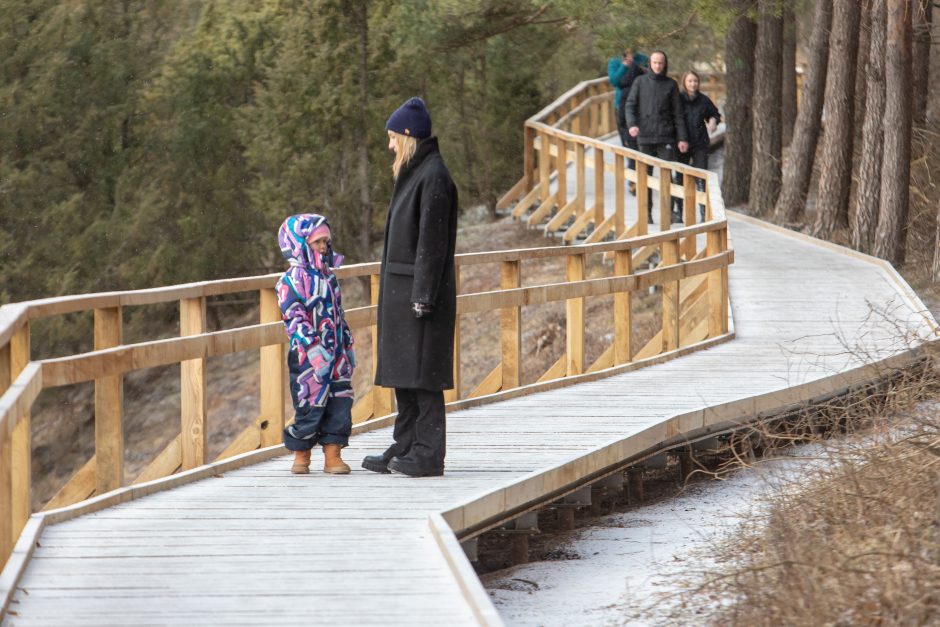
point(397, 267)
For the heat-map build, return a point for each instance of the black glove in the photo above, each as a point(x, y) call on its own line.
point(421, 309)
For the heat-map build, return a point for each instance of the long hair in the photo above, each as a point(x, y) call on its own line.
point(405, 150)
point(687, 74)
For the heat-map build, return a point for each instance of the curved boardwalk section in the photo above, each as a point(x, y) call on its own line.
point(259, 545)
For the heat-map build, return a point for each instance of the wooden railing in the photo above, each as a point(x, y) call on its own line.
point(569, 132)
point(691, 278)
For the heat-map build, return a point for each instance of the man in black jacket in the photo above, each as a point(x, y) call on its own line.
point(655, 118)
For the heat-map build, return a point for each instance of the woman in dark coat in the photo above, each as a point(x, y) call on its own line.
point(417, 296)
point(701, 119)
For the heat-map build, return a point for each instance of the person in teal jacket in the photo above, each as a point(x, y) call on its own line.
point(621, 72)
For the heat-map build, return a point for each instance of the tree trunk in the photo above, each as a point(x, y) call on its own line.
point(933, 83)
point(798, 167)
point(365, 191)
point(739, 62)
point(896, 167)
point(768, 65)
point(868, 195)
point(923, 13)
point(861, 68)
point(836, 161)
point(788, 87)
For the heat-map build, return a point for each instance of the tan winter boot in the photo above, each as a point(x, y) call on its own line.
point(332, 462)
point(301, 463)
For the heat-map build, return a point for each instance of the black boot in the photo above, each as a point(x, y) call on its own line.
point(413, 468)
point(376, 463)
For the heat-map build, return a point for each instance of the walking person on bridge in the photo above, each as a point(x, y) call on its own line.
point(621, 72)
point(701, 119)
point(321, 357)
point(417, 306)
point(655, 118)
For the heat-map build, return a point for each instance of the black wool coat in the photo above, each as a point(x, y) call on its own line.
point(654, 106)
point(418, 267)
point(698, 111)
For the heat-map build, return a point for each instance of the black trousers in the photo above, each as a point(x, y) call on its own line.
point(420, 431)
point(625, 139)
point(666, 152)
point(697, 158)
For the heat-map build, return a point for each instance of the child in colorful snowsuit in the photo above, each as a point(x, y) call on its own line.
point(321, 358)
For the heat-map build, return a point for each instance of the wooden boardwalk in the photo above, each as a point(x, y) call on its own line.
point(258, 545)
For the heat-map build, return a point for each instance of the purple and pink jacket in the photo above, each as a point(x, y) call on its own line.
point(311, 307)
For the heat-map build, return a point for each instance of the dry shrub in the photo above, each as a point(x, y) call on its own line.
point(855, 538)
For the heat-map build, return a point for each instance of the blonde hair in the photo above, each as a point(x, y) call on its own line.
point(405, 150)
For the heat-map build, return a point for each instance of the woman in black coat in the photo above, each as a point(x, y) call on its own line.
point(701, 118)
point(417, 296)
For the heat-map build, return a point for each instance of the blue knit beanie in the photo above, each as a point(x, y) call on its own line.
point(411, 119)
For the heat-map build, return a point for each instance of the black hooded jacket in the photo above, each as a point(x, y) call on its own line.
point(655, 107)
point(698, 111)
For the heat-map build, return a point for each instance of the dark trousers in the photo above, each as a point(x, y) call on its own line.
point(325, 424)
point(697, 158)
point(666, 152)
point(420, 431)
point(625, 140)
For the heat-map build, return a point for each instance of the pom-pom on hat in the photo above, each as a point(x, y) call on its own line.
point(411, 119)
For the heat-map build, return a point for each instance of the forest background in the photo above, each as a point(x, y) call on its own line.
point(154, 142)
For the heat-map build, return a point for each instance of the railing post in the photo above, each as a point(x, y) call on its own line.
point(574, 320)
point(193, 407)
point(454, 393)
point(381, 397)
point(528, 157)
point(7, 538)
point(545, 165)
point(598, 187)
point(21, 453)
point(273, 380)
point(619, 195)
point(109, 407)
point(665, 198)
point(511, 326)
point(716, 243)
point(642, 205)
point(581, 176)
point(623, 311)
point(561, 172)
point(670, 297)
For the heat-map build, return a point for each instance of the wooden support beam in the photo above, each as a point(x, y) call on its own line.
point(574, 319)
point(109, 407)
point(193, 404)
point(670, 299)
point(606, 360)
point(580, 169)
point(21, 442)
point(600, 231)
point(453, 394)
point(556, 371)
point(511, 327)
point(665, 198)
point(561, 172)
point(598, 186)
point(689, 213)
point(642, 189)
point(527, 201)
point(572, 208)
point(78, 488)
point(623, 311)
point(515, 192)
point(539, 214)
point(619, 193)
point(578, 226)
point(383, 403)
point(491, 384)
point(528, 156)
point(716, 241)
point(273, 367)
point(167, 462)
point(362, 410)
point(545, 165)
point(248, 440)
point(7, 539)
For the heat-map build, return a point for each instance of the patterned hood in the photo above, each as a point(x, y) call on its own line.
point(292, 239)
